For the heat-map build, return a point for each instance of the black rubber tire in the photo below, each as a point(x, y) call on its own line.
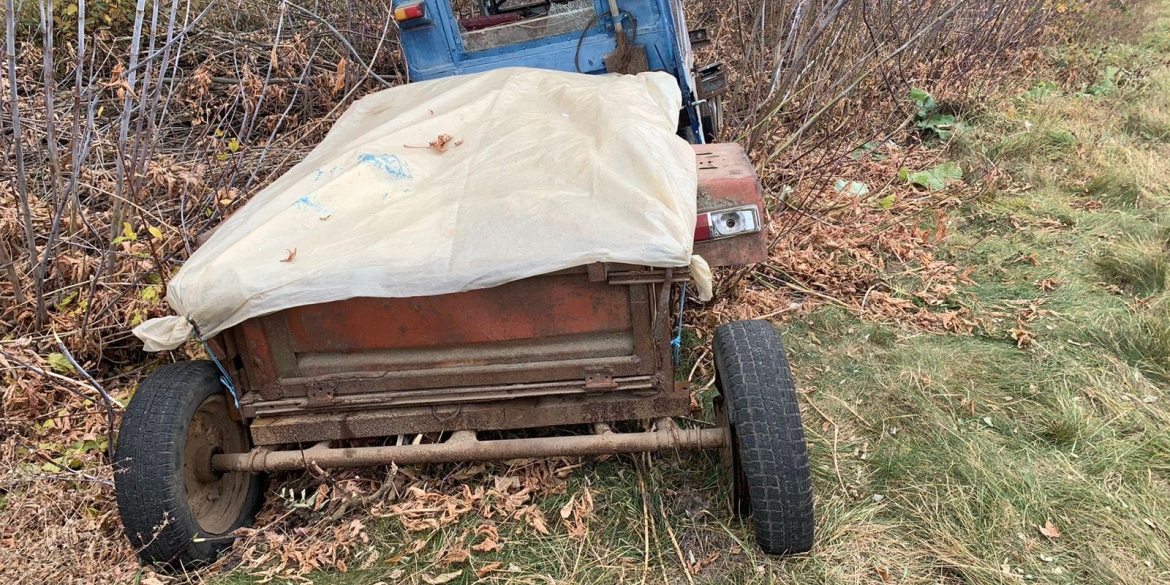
point(764, 414)
point(149, 469)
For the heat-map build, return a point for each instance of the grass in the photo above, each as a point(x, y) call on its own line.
point(937, 458)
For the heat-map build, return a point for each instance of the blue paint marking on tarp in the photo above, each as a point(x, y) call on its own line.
point(394, 166)
point(309, 203)
point(322, 172)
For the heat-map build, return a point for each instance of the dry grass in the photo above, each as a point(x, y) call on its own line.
point(974, 359)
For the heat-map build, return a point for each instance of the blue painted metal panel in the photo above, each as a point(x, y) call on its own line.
point(437, 50)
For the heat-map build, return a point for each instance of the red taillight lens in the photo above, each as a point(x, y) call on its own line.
point(726, 223)
point(410, 12)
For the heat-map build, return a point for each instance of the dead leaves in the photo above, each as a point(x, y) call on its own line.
point(1049, 529)
point(425, 510)
point(440, 144)
point(339, 78)
point(491, 539)
point(1022, 338)
point(488, 568)
point(694, 566)
point(576, 514)
point(1026, 312)
point(859, 260)
point(292, 254)
point(440, 579)
point(535, 518)
point(454, 556)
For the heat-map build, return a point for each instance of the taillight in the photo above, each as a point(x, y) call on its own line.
point(726, 223)
point(410, 12)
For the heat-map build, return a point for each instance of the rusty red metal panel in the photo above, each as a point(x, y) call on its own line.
point(259, 366)
point(499, 415)
point(728, 179)
point(460, 395)
point(538, 307)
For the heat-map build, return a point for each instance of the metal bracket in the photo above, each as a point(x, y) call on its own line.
point(712, 80)
point(319, 395)
point(600, 380)
point(607, 20)
point(699, 38)
point(598, 271)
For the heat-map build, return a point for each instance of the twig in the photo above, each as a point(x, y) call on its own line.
point(344, 42)
point(850, 409)
point(836, 466)
point(827, 418)
point(682, 561)
point(10, 267)
point(18, 152)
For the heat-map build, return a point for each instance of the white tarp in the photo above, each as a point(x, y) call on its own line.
point(544, 171)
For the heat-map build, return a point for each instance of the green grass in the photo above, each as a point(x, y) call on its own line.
point(936, 458)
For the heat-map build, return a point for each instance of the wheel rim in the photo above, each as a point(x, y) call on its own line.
point(216, 500)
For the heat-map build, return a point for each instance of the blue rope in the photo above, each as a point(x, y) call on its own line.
point(224, 378)
point(676, 343)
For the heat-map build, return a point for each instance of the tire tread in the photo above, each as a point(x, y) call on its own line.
point(757, 380)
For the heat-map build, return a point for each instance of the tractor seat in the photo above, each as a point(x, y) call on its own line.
point(482, 22)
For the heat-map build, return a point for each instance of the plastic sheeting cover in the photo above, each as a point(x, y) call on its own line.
point(544, 171)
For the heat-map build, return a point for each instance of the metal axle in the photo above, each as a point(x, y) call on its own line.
point(463, 446)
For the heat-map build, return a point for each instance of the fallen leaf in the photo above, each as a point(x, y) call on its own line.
point(488, 544)
point(455, 556)
point(535, 518)
point(1049, 529)
point(699, 565)
point(291, 254)
point(884, 574)
point(444, 578)
point(440, 143)
point(1022, 337)
point(339, 79)
point(567, 509)
point(59, 363)
point(488, 568)
point(1050, 284)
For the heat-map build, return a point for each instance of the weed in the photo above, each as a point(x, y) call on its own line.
point(930, 121)
point(1141, 338)
point(1117, 189)
point(1141, 266)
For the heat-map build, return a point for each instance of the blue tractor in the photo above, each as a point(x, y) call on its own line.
point(453, 37)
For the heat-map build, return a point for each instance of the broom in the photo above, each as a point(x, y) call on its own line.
point(627, 57)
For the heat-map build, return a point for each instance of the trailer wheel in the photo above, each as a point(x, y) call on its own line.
point(767, 459)
point(175, 510)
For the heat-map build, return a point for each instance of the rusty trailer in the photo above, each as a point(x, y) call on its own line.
point(580, 349)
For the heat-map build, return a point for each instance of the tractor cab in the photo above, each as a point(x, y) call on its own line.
point(454, 37)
